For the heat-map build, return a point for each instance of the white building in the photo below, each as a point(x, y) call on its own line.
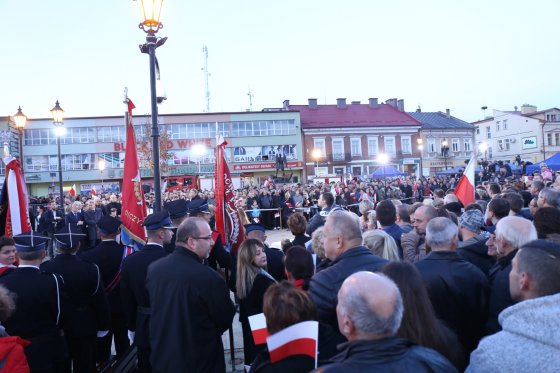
point(531, 134)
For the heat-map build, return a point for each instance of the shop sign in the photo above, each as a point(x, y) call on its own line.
point(263, 166)
point(529, 142)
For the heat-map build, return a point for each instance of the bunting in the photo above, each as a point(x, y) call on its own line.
point(15, 192)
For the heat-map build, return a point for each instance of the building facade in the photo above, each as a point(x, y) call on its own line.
point(447, 142)
point(347, 139)
point(254, 139)
point(531, 134)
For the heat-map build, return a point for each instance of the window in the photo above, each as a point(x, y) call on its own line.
point(258, 128)
point(506, 144)
point(113, 160)
point(500, 145)
point(338, 148)
point(498, 126)
point(477, 130)
point(406, 145)
point(389, 144)
point(455, 146)
point(431, 145)
point(488, 133)
point(373, 145)
point(467, 144)
point(549, 138)
point(551, 117)
point(504, 124)
point(39, 137)
point(356, 146)
point(557, 139)
point(319, 143)
point(111, 134)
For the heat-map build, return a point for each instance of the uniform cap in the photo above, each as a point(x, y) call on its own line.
point(108, 224)
point(158, 220)
point(30, 241)
point(177, 208)
point(254, 227)
point(198, 205)
point(68, 236)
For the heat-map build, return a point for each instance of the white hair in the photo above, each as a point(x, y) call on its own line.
point(440, 232)
point(516, 231)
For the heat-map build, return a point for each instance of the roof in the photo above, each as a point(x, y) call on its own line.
point(439, 120)
point(353, 115)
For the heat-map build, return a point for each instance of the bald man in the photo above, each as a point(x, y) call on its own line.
point(369, 313)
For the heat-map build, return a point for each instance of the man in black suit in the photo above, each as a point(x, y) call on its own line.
point(92, 214)
point(88, 309)
point(108, 255)
point(39, 305)
point(75, 215)
point(136, 304)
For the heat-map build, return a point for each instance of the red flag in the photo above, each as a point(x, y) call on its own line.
point(17, 217)
point(465, 187)
point(73, 190)
point(228, 221)
point(93, 191)
point(258, 328)
point(133, 203)
point(298, 339)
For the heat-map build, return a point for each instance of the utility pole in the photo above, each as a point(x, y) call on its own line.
point(250, 99)
point(206, 77)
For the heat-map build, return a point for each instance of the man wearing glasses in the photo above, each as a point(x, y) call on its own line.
point(190, 305)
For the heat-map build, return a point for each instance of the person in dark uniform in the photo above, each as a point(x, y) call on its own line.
point(108, 255)
point(40, 305)
point(136, 304)
point(178, 211)
point(198, 207)
point(88, 313)
point(191, 306)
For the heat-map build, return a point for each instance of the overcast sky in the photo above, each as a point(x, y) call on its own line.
point(460, 55)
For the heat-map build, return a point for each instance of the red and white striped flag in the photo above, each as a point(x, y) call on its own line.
point(465, 187)
point(298, 339)
point(93, 192)
point(17, 217)
point(258, 328)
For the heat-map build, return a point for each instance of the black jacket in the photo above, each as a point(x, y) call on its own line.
point(275, 263)
point(387, 355)
point(291, 364)
point(500, 297)
point(318, 220)
point(40, 309)
point(324, 288)
point(133, 290)
point(191, 308)
point(88, 308)
point(459, 292)
point(477, 254)
point(108, 256)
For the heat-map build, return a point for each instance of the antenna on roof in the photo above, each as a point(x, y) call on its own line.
point(483, 108)
point(206, 76)
point(251, 95)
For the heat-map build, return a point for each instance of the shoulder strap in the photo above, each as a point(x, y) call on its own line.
point(117, 278)
point(98, 279)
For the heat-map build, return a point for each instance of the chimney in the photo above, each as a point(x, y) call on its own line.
point(286, 105)
point(312, 103)
point(448, 113)
point(341, 103)
point(400, 105)
point(392, 102)
point(419, 110)
point(373, 103)
point(355, 102)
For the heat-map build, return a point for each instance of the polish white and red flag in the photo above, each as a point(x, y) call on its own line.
point(15, 194)
point(258, 328)
point(298, 339)
point(465, 187)
point(93, 191)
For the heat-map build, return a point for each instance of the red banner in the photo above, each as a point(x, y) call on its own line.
point(17, 218)
point(263, 166)
point(228, 221)
point(133, 203)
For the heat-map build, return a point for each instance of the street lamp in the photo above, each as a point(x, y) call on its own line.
point(445, 151)
point(316, 155)
point(20, 119)
point(199, 150)
point(102, 164)
point(151, 11)
point(420, 143)
point(59, 130)
point(483, 148)
point(383, 158)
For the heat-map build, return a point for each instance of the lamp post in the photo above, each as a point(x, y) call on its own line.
point(102, 164)
point(199, 151)
point(483, 148)
point(150, 24)
point(445, 151)
point(59, 130)
point(383, 158)
point(20, 119)
point(316, 155)
point(420, 143)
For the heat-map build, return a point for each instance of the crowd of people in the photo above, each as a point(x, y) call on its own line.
point(398, 273)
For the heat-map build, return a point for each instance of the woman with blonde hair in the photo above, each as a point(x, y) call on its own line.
point(381, 244)
point(365, 207)
point(252, 280)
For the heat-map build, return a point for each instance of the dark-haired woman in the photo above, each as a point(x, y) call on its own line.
point(299, 266)
point(419, 323)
